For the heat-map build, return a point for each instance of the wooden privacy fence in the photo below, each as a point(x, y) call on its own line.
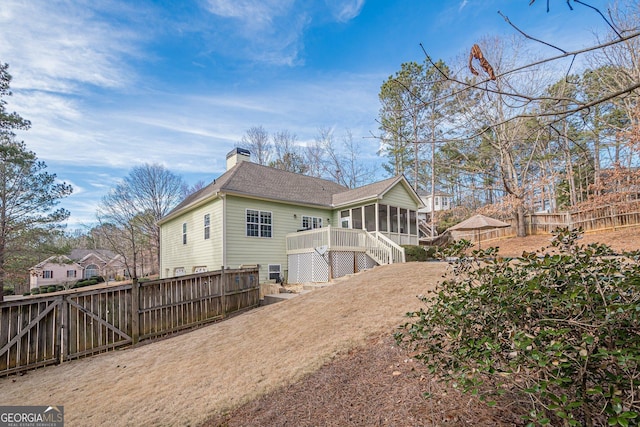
point(49, 329)
point(610, 217)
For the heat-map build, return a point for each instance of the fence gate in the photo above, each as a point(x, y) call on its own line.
point(31, 333)
point(45, 330)
point(96, 321)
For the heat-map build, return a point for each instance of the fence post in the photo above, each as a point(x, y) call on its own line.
point(223, 288)
point(135, 311)
point(60, 328)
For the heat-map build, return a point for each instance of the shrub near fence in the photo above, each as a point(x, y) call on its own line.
point(44, 330)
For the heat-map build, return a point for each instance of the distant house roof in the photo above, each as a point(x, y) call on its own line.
point(104, 254)
point(77, 256)
point(254, 180)
point(54, 259)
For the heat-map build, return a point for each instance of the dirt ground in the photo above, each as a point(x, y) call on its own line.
point(322, 358)
point(187, 379)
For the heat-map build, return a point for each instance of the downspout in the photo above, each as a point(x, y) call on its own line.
point(224, 229)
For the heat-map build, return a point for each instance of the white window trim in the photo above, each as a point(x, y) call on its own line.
point(207, 226)
point(314, 222)
point(278, 271)
point(259, 223)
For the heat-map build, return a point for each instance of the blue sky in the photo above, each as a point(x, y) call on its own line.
point(111, 84)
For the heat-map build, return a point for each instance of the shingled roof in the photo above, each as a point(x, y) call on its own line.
point(365, 192)
point(254, 180)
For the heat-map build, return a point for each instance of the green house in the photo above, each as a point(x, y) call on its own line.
point(294, 227)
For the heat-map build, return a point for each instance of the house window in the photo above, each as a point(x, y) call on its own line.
point(357, 218)
point(90, 271)
point(403, 221)
point(179, 271)
point(184, 233)
point(382, 217)
point(201, 269)
point(393, 215)
point(207, 226)
point(370, 217)
point(71, 273)
point(345, 219)
point(259, 223)
point(47, 274)
point(274, 271)
point(437, 201)
point(413, 227)
point(309, 222)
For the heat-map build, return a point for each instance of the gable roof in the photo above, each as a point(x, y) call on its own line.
point(366, 192)
point(81, 254)
point(253, 180)
point(53, 259)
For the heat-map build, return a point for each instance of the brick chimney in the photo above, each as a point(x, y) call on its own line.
point(236, 156)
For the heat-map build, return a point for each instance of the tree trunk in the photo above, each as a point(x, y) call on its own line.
point(521, 226)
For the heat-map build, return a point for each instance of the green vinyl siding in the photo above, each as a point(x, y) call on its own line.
point(198, 251)
point(399, 196)
point(285, 219)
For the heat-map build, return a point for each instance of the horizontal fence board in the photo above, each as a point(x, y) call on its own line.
point(43, 330)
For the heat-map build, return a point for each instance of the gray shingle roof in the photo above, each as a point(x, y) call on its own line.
point(254, 180)
point(365, 192)
point(79, 254)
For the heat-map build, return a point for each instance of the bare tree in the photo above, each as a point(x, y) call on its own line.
point(256, 140)
point(134, 207)
point(344, 165)
point(120, 227)
point(314, 153)
point(287, 153)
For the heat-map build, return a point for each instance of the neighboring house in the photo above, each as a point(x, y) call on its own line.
point(80, 264)
point(431, 203)
point(295, 227)
point(441, 202)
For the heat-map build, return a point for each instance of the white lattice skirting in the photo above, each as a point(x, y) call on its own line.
point(313, 267)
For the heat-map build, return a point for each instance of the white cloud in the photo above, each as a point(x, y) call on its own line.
point(57, 47)
point(257, 15)
point(344, 11)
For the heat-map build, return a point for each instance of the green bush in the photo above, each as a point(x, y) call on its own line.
point(35, 291)
point(52, 288)
point(419, 253)
point(414, 253)
point(558, 331)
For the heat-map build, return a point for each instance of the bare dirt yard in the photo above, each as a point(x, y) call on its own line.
point(323, 358)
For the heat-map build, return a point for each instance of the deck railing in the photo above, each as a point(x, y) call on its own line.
point(376, 245)
point(397, 251)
